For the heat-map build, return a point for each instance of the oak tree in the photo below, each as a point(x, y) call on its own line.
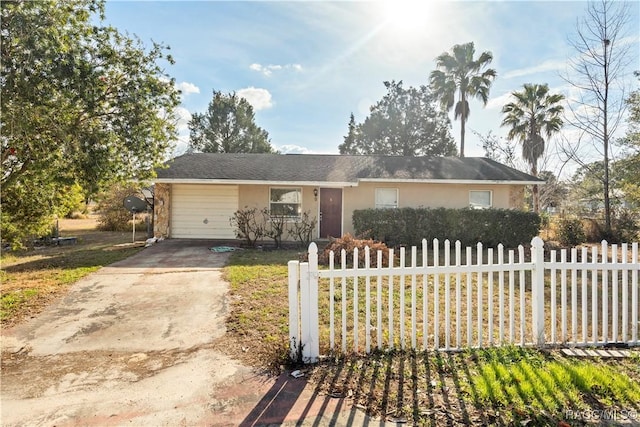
point(81, 104)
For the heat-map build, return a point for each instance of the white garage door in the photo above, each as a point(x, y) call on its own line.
point(203, 211)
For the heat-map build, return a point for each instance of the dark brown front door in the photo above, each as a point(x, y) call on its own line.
point(330, 212)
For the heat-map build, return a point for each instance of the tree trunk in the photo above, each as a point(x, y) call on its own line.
point(462, 119)
point(535, 190)
point(605, 143)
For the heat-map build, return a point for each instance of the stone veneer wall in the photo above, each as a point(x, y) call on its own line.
point(161, 210)
point(516, 197)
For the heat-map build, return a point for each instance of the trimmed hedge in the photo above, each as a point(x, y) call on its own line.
point(408, 226)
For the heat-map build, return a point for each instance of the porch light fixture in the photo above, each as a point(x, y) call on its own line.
point(315, 193)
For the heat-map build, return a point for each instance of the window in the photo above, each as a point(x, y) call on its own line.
point(480, 199)
point(386, 198)
point(286, 202)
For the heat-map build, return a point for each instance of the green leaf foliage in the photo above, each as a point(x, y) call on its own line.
point(228, 126)
point(408, 226)
point(71, 201)
point(28, 209)
point(461, 76)
point(586, 189)
point(534, 114)
point(81, 104)
point(405, 122)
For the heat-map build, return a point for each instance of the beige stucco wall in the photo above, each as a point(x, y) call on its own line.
point(358, 197)
point(410, 195)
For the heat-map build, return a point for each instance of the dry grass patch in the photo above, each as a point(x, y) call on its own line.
point(257, 327)
point(33, 279)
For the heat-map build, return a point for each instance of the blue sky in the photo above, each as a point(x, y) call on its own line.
point(305, 66)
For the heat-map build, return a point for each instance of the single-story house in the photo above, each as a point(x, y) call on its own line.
point(197, 194)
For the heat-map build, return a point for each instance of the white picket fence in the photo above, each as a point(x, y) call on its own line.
point(480, 298)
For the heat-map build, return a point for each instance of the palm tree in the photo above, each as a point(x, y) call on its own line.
point(458, 71)
point(534, 113)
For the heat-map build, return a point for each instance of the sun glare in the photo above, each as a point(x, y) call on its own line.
point(406, 16)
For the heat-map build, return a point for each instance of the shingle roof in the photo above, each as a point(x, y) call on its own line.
point(319, 168)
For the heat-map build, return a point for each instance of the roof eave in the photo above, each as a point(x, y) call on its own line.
point(454, 181)
point(341, 184)
point(252, 182)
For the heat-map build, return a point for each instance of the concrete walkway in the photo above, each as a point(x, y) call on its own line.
point(134, 344)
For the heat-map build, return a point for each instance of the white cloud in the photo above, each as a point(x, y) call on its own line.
point(260, 99)
point(186, 88)
point(549, 65)
point(267, 70)
point(293, 149)
point(264, 70)
point(499, 101)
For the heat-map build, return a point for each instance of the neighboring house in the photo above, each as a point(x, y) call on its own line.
point(594, 204)
point(196, 194)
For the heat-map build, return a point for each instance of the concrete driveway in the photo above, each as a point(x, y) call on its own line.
point(134, 344)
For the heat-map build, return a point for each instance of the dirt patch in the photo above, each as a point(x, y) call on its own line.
point(76, 371)
point(400, 388)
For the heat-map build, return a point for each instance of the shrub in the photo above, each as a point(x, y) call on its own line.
point(626, 226)
point(570, 232)
point(592, 229)
point(112, 215)
point(29, 206)
point(274, 226)
point(302, 229)
point(349, 243)
point(410, 225)
point(19, 229)
point(248, 225)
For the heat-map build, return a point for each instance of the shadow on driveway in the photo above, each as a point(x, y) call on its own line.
point(295, 401)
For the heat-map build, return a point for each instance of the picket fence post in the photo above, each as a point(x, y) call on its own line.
point(537, 290)
point(294, 314)
point(309, 336)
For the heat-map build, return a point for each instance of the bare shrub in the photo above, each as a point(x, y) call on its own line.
point(249, 225)
point(302, 229)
